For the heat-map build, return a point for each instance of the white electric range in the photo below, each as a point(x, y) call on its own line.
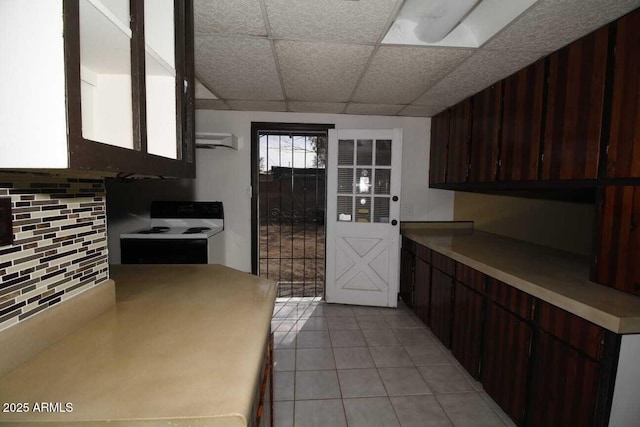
point(179, 233)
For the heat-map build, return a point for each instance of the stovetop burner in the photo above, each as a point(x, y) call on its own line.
point(181, 221)
point(196, 230)
point(155, 230)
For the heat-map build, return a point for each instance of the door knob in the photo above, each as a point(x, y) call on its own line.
point(394, 222)
point(394, 198)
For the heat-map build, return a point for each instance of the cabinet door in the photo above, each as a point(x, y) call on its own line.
point(439, 147)
point(522, 124)
point(132, 109)
point(459, 142)
point(422, 288)
point(441, 306)
point(466, 335)
point(564, 385)
point(618, 246)
point(505, 361)
point(623, 158)
point(406, 276)
point(485, 134)
point(575, 101)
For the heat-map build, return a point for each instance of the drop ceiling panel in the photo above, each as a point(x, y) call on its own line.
point(257, 105)
point(421, 110)
point(550, 25)
point(238, 68)
point(202, 92)
point(228, 17)
point(397, 74)
point(211, 104)
point(373, 109)
point(317, 107)
point(329, 20)
point(476, 73)
point(321, 71)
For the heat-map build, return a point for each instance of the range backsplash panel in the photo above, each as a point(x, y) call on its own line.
point(60, 242)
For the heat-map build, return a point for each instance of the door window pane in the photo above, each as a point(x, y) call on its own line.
point(381, 209)
point(383, 152)
point(345, 152)
point(382, 181)
point(365, 152)
point(345, 208)
point(363, 181)
point(345, 180)
point(363, 209)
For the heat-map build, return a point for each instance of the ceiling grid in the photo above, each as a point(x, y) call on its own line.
point(328, 56)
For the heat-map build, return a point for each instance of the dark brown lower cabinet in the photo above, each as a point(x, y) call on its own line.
point(505, 361)
point(262, 409)
point(406, 276)
point(541, 364)
point(441, 306)
point(466, 335)
point(422, 290)
point(564, 385)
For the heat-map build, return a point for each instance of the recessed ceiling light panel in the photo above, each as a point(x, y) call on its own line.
point(453, 23)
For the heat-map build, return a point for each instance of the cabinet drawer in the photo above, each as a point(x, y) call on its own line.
point(423, 253)
point(443, 263)
point(511, 298)
point(574, 330)
point(470, 277)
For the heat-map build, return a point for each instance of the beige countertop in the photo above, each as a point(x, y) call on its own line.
point(555, 276)
point(183, 345)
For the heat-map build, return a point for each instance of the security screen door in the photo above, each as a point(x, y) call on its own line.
point(363, 210)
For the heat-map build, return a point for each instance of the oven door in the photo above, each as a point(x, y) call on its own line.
point(159, 251)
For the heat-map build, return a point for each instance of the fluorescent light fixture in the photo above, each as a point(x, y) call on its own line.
point(438, 17)
point(457, 23)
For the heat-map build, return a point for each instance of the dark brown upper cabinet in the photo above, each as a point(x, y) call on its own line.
point(575, 102)
point(485, 134)
point(439, 147)
point(522, 124)
point(623, 157)
point(618, 243)
point(118, 91)
point(459, 142)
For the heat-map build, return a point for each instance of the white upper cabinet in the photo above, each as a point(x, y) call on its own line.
point(97, 85)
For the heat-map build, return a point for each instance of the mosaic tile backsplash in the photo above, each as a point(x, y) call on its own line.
point(60, 246)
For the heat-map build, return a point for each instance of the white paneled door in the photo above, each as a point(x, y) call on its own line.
point(363, 216)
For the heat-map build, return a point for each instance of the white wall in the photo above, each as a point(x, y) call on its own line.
point(625, 409)
point(225, 174)
point(561, 225)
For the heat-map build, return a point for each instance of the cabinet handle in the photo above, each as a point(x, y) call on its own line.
point(186, 86)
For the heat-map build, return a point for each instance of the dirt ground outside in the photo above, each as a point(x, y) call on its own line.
point(293, 256)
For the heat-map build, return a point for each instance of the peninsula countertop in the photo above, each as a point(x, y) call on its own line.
point(558, 277)
point(183, 345)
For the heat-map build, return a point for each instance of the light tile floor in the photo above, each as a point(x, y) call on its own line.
point(340, 365)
